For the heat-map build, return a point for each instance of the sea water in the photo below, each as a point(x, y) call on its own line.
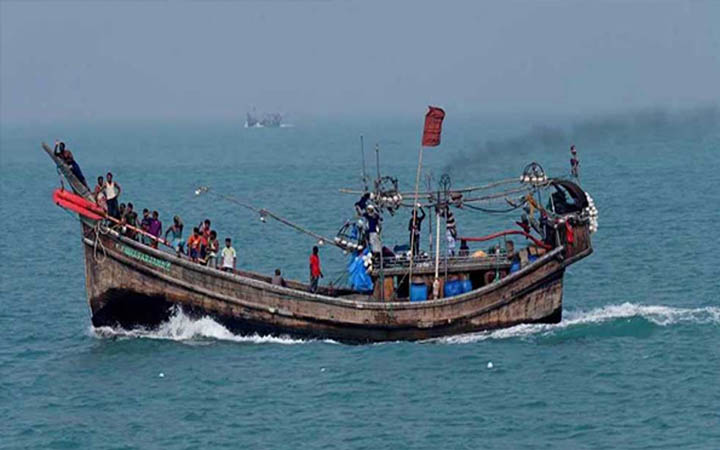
point(635, 362)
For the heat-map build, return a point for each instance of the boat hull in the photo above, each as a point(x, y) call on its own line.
point(131, 285)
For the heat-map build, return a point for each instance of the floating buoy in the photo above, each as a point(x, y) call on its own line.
point(490, 365)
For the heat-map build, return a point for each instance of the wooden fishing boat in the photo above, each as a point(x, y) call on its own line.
point(130, 284)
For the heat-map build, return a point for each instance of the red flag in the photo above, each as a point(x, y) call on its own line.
point(433, 127)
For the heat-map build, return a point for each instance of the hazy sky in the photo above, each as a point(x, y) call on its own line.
point(218, 59)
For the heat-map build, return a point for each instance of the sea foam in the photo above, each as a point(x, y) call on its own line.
point(183, 328)
point(658, 315)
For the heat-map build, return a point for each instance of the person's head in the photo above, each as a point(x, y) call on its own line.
point(277, 272)
point(228, 242)
point(510, 247)
point(572, 149)
point(155, 215)
point(61, 146)
point(207, 223)
point(196, 231)
point(213, 235)
point(177, 221)
point(146, 212)
point(109, 177)
point(122, 206)
point(101, 181)
point(130, 206)
point(315, 250)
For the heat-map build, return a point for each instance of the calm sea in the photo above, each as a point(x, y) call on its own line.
point(635, 362)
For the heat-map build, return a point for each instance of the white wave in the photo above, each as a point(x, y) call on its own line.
point(659, 315)
point(183, 328)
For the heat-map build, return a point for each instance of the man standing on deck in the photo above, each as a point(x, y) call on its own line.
point(414, 228)
point(145, 226)
point(131, 219)
point(228, 256)
point(112, 192)
point(315, 271)
point(574, 162)
point(450, 231)
point(155, 228)
point(373, 221)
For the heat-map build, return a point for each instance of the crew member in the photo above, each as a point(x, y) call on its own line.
point(361, 204)
point(175, 231)
point(315, 271)
point(194, 244)
point(414, 228)
point(66, 155)
point(155, 228)
point(373, 222)
point(213, 249)
point(574, 162)
point(277, 279)
point(228, 256)
point(112, 192)
point(450, 231)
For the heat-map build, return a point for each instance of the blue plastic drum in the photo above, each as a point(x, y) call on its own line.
point(418, 292)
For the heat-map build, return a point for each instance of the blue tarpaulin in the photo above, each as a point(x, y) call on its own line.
point(359, 279)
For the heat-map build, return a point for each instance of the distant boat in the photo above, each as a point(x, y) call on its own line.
point(251, 121)
point(270, 120)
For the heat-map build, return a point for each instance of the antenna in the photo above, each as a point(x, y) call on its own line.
point(364, 173)
point(377, 159)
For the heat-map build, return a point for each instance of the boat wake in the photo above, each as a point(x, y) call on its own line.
point(183, 328)
point(657, 315)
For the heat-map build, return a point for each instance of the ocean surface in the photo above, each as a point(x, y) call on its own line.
point(635, 362)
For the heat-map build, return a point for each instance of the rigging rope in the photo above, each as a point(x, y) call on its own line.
point(266, 213)
point(494, 211)
point(427, 193)
point(99, 229)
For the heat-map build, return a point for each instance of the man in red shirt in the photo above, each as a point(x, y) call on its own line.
point(315, 272)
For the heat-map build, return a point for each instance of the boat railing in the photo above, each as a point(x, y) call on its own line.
point(399, 265)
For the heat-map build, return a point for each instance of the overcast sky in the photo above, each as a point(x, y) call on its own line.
point(218, 59)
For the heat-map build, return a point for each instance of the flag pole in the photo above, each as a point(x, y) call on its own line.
point(436, 283)
point(431, 138)
point(414, 217)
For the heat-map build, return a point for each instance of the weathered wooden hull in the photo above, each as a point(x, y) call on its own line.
point(129, 284)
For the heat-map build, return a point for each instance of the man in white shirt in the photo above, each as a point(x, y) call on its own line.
point(229, 256)
point(112, 192)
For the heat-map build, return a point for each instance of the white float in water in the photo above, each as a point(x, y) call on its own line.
point(490, 365)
